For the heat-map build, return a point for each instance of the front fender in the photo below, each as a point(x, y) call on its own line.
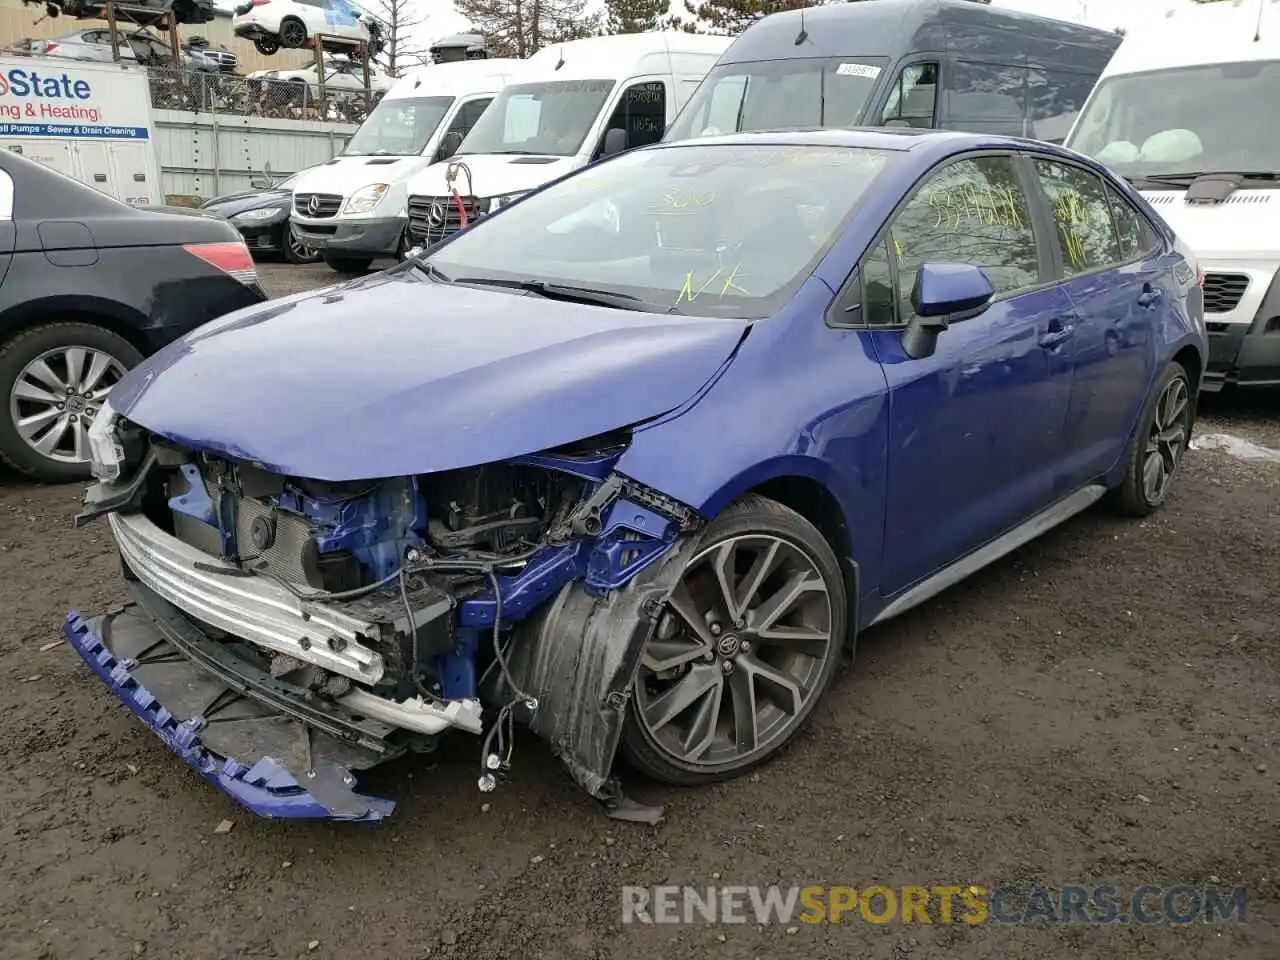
point(579, 658)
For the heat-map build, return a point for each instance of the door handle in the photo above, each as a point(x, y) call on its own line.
point(1056, 338)
point(1148, 296)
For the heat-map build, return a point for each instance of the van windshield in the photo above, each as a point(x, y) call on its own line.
point(776, 94)
point(1186, 120)
point(551, 118)
point(398, 128)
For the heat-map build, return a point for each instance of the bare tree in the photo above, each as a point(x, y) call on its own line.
point(520, 28)
point(400, 20)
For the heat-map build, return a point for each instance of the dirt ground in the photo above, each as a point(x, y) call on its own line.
point(1101, 707)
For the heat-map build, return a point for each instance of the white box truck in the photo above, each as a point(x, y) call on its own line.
point(91, 121)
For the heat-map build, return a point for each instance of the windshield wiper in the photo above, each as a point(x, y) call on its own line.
point(573, 294)
point(1164, 179)
point(420, 262)
point(1185, 179)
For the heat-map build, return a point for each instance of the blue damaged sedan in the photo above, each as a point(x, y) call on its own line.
point(633, 462)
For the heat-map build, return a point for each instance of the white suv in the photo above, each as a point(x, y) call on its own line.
point(293, 24)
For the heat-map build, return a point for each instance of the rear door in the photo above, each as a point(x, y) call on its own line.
point(1121, 288)
point(129, 164)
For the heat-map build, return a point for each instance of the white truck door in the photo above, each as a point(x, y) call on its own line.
point(55, 153)
point(131, 174)
point(95, 166)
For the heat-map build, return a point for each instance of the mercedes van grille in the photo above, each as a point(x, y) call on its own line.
point(316, 205)
point(431, 219)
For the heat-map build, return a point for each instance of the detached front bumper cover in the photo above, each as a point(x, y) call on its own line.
point(265, 786)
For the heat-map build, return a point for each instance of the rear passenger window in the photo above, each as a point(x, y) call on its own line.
point(1135, 235)
point(971, 211)
point(1082, 215)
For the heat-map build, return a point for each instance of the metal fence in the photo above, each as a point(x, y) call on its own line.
point(341, 99)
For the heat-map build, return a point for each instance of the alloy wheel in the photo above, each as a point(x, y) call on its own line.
point(738, 655)
point(56, 396)
point(298, 248)
point(1166, 440)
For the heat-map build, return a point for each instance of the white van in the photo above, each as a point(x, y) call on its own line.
point(574, 103)
point(1187, 111)
point(352, 208)
point(91, 121)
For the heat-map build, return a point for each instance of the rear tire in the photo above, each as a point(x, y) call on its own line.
point(103, 357)
point(348, 266)
point(1158, 445)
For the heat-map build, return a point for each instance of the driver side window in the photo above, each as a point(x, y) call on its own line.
point(913, 97)
point(971, 211)
point(641, 112)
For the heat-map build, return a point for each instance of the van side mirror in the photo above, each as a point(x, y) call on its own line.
point(615, 142)
point(943, 294)
point(449, 144)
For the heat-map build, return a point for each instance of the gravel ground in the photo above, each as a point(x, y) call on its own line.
point(1101, 707)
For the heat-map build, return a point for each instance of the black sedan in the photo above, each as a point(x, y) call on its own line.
point(88, 287)
point(262, 217)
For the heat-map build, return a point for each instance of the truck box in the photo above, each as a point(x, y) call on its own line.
point(91, 121)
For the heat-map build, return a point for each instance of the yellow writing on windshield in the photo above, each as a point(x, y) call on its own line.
point(972, 204)
point(690, 290)
point(683, 200)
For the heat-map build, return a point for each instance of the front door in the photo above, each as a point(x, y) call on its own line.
point(974, 428)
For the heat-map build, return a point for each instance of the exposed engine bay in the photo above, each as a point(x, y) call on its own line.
point(384, 613)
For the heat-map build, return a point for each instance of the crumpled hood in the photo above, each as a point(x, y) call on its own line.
point(492, 175)
point(1241, 228)
point(390, 376)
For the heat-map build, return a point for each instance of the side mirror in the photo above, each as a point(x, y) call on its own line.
point(943, 294)
point(260, 183)
point(449, 144)
point(615, 141)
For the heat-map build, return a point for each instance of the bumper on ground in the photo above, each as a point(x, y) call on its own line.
point(1244, 354)
point(270, 763)
point(355, 238)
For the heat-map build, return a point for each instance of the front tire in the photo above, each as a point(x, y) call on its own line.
point(751, 639)
point(295, 250)
point(1157, 448)
point(348, 266)
point(293, 33)
point(53, 381)
point(266, 47)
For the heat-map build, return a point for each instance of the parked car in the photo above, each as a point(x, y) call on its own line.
point(223, 59)
point(262, 217)
point(88, 287)
point(619, 463)
point(293, 24)
point(141, 12)
point(340, 76)
point(140, 46)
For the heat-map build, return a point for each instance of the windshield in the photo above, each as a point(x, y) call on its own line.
point(550, 118)
point(288, 184)
point(776, 94)
point(1206, 119)
point(399, 128)
point(710, 230)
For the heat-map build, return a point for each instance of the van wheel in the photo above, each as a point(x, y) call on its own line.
point(293, 33)
point(351, 266)
point(53, 381)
